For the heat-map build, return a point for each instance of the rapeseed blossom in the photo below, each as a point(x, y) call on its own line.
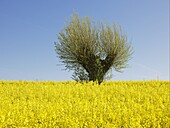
point(134, 104)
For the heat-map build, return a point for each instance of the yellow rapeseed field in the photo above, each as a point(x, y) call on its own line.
point(118, 104)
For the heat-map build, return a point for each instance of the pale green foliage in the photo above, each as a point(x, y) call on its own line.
point(80, 74)
point(96, 48)
point(131, 104)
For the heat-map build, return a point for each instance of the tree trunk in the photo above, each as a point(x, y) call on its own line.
point(95, 75)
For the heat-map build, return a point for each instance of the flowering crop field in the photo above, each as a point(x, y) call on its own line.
point(49, 104)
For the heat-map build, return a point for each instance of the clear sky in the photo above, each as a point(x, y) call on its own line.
point(28, 31)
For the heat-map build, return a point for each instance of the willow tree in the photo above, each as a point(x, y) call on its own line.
point(91, 50)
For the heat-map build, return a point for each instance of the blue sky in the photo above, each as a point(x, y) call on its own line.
point(28, 31)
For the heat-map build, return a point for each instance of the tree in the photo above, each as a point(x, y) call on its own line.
point(91, 50)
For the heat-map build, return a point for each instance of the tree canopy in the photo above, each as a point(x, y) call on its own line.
point(91, 50)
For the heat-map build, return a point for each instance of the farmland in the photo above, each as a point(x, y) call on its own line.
point(134, 104)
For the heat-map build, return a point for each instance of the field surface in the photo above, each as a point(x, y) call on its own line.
point(118, 104)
